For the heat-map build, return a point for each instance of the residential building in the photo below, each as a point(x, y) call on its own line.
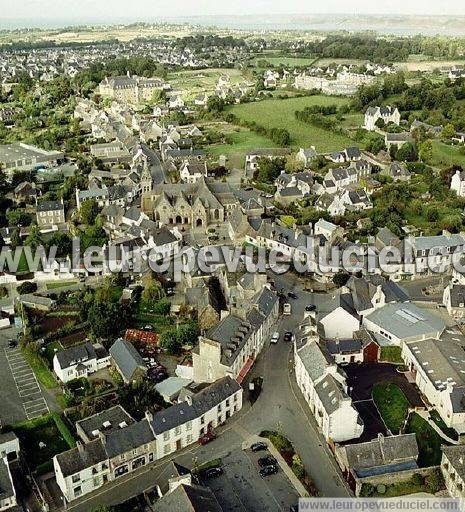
point(385, 455)
point(189, 498)
point(453, 470)
point(437, 365)
point(80, 361)
point(454, 300)
point(386, 113)
point(50, 214)
point(324, 388)
point(191, 172)
point(131, 89)
point(457, 183)
point(7, 488)
point(231, 346)
point(306, 155)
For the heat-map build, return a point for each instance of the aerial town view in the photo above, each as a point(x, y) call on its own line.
point(232, 256)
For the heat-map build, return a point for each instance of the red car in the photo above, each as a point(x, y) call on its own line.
point(206, 438)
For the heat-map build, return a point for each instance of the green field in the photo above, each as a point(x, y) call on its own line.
point(238, 143)
point(392, 405)
point(275, 113)
point(286, 61)
point(445, 156)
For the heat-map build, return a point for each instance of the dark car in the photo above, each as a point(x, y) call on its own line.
point(213, 472)
point(206, 438)
point(310, 307)
point(288, 336)
point(258, 447)
point(292, 295)
point(268, 470)
point(269, 460)
point(12, 343)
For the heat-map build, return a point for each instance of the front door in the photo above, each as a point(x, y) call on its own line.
point(178, 444)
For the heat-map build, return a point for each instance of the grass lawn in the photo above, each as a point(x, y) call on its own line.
point(50, 350)
point(450, 432)
point(392, 405)
point(391, 355)
point(52, 285)
point(445, 156)
point(50, 430)
point(276, 113)
point(22, 263)
point(286, 61)
point(429, 441)
point(40, 368)
point(238, 143)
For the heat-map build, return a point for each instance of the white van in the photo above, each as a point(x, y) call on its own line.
point(287, 309)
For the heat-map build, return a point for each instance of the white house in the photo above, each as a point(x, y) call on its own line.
point(337, 317)
point(121, 449)
point(191, 172)
point(387, 114)
point(457, 183)
point(437, 366)
point(325, 391)
point(454, 300)
point(80, 361)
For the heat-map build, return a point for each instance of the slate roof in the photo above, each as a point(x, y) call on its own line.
point(457, 295)
point(202, 402)
point(456, 457)
point(315, 361)
point(77, 459)
point(266, 301)
point(115, 415)
point(383, 451)
point(126, 358)
point(6, 486)
point(46, 206)
point(189, 498)
point(73, 355)
point(128, 438)
point(331, 394)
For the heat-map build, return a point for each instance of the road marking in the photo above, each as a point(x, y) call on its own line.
point(26, 384)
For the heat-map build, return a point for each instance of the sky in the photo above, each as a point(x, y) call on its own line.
point(149, 10)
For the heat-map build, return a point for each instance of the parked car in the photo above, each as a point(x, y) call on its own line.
point(275, 337)
point(310, 307)
point(258, 447)
point(12, 343)
point(287, 309)
point(206, 438)
point(292, 295)
point(213, 472)
point(288, 336)
point(268, 470)
point(268, 460)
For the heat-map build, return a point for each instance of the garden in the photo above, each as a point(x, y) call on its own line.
point(392, 405)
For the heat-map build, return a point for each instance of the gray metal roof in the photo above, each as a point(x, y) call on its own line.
point(126, 358)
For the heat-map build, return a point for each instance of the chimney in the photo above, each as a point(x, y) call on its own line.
point(149, 416)
point(80, 446)
point(102, 438)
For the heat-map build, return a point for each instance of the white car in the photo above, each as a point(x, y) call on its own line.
point(275, 337)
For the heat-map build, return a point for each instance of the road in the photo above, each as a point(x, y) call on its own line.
point(156, 168)
point(279, 406)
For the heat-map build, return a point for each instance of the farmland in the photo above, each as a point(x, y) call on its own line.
point(279, 113)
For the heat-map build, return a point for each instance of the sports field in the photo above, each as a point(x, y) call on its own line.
point(276, 113)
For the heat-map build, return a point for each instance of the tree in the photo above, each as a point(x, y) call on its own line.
point(15, 240)
point(406, 153)
point(106, 318)
point(140, 396)
point(170, 341)
point(162, 307)
point(153, 290)
point(380, 123)
point(448, 131)
point(340, 279)
point(215, 104)
point(188, 334)
point(34, 238)
point(426, 151)
point(89, 211)
point(26, 287)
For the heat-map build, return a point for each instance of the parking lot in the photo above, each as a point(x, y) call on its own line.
point(20, 394)
point(241, 487)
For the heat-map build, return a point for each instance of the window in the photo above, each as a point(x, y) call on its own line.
point(227, 402)
point(76, 478)
point(166, 435)
point(167, 449)
point(177, 431)
point(189, 425)
point(189, 438)
point(235, 398)
point(202, 420)
point(77, 491)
